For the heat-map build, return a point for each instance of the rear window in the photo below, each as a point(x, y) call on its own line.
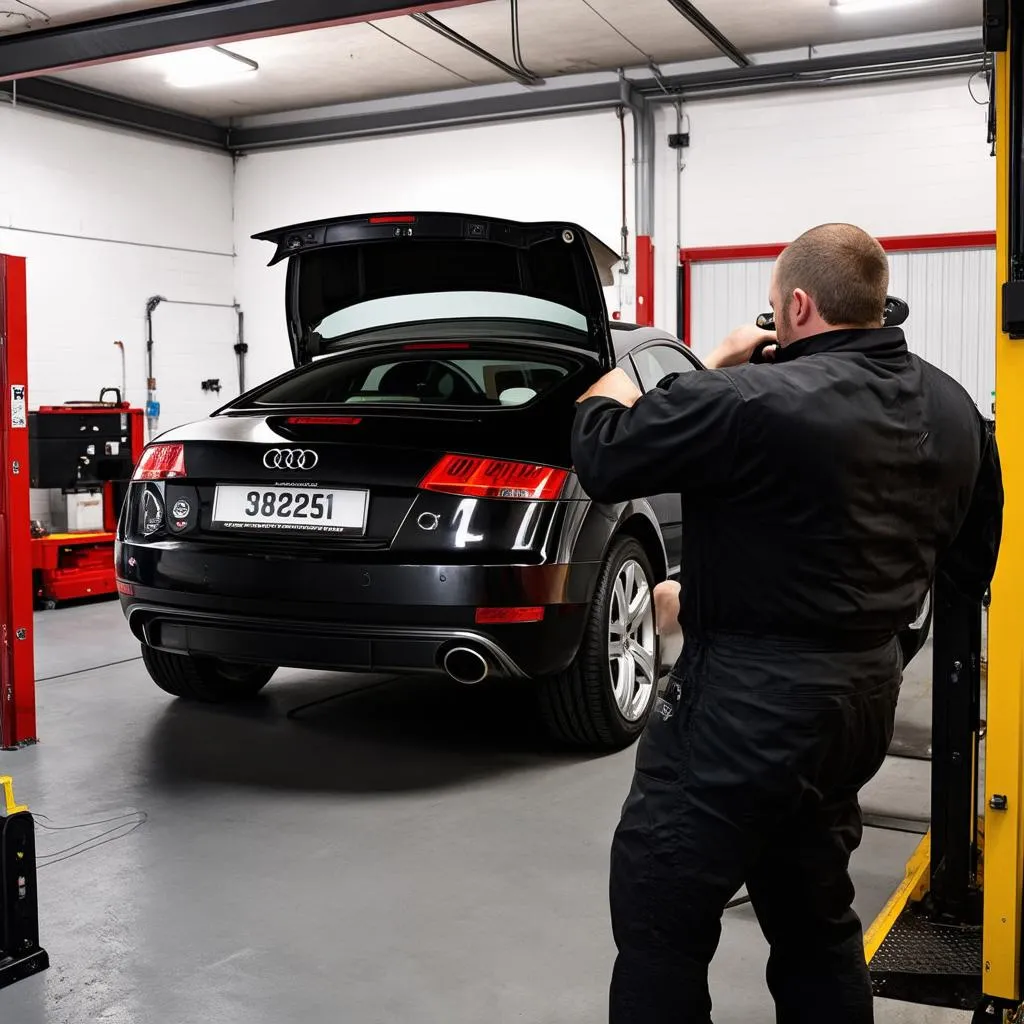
point(418, 379)
point(416, 308)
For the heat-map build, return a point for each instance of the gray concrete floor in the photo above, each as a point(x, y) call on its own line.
point(403, 852)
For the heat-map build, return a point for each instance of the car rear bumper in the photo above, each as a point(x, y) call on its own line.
point(403, 620)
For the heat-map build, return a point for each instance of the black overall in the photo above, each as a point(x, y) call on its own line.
point(819, 494)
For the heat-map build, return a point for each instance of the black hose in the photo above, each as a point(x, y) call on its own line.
point(1015, 140)
point(241, 348)
point(151, 305)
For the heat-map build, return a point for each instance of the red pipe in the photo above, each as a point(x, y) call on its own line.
point(645, 281)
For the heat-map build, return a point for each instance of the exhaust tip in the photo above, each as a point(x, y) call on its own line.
point(465, 665)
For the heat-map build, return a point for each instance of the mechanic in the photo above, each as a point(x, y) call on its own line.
point(820, 490)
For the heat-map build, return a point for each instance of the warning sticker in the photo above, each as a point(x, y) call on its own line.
point(19, 417)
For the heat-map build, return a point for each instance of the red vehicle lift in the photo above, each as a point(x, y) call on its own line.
point(17, 665)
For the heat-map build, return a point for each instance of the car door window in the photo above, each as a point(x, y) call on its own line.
point(626, 365)
point(657, 361)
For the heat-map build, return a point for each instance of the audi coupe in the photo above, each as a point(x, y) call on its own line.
point(403, 500)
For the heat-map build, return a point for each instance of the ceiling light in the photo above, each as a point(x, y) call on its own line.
point(859, 6)
point(208, 65)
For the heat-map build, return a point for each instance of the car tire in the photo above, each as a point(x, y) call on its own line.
point(205, 679)
point(589, 704)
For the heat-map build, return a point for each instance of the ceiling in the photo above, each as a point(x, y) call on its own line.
point(399, 57)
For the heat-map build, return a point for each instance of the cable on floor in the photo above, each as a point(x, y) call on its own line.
point(92, 668)
point(341, 695)
point(127, 824)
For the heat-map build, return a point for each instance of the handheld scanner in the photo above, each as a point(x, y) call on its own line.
point(896, 313)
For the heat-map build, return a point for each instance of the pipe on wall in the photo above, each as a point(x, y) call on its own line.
point(643, 158)
point(241, 348)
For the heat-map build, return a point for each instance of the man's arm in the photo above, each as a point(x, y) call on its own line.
point(670, 438)
point(681, 435)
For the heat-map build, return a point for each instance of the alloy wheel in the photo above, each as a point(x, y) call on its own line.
point(632, 641)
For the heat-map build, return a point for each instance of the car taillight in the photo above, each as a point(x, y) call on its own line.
point(324, 421)
point(435, 346)
point(161, 462)
point(494, 478)
point(496, 616)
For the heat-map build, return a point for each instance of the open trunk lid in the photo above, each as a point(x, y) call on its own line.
point(351, 276)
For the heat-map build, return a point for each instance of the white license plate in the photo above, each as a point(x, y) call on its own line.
point(314, 509)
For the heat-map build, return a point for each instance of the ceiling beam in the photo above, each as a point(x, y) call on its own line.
point(484, 110)
point(881, 65)
point(180, 26)
point(499, 104)
point(60, 97)
point(698, 20)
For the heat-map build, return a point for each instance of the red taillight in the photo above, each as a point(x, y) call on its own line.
point(436, 346)
point(125, 588)
point(393, 220)
point(161, 462)
point(497, 616)
point(494, 478)
point(323, 421)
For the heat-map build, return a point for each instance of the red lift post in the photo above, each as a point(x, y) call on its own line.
point(17, 663)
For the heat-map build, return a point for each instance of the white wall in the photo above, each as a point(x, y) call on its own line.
point(108, 219)
point(563, 168)
point(898, 159)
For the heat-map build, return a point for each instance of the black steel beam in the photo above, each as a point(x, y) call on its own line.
point(700, 22)
point(570, 99)
point(182, 25)
point(445, 115)
point(51, 94)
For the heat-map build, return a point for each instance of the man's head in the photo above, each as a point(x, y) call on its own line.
point(832, 277)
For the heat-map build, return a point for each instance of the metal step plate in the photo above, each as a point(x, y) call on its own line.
point(927, 963)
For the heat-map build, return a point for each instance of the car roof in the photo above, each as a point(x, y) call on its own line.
point(626, 337)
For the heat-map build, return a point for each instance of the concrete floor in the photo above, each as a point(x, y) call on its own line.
point(403, 852)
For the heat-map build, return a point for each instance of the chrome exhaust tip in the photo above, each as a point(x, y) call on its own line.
point(465, 665)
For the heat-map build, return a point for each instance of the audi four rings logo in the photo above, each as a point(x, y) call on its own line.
point(290, 458)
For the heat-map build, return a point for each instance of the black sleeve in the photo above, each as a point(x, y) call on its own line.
point(970, 562)
point(673, 439)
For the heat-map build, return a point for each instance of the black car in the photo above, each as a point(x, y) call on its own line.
point(403, 500)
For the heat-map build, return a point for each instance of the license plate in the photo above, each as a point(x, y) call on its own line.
point(313, 509)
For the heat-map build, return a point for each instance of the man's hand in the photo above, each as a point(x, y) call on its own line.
point(739, 347)
point(616, 386)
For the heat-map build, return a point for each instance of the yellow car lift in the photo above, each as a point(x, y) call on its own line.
point(952, 933)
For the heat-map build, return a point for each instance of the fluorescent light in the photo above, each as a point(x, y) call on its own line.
point(859, 6)
point(207, 65)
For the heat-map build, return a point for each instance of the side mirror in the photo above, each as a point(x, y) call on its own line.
point(896, 313)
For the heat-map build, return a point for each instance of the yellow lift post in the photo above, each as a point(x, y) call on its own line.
point(952, 933)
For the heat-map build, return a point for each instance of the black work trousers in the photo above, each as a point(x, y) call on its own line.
point(748, 773)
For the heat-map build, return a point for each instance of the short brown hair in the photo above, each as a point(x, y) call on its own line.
point(843, 269)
